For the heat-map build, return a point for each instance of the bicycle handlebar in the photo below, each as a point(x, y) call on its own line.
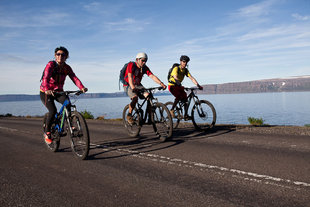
point(149, 89)
point(192, 88)
point(77, 92)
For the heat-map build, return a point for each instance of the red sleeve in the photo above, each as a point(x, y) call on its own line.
point(148, 71)
point(74, 78)
point(48, 71)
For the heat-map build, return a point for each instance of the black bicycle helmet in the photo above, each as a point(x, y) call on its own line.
point(184, 58)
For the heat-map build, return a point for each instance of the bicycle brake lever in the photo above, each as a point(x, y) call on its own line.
point(78, 93)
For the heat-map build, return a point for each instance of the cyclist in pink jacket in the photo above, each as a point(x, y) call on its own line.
point(53, 79)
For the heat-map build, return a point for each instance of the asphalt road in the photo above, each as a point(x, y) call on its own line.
point(223, 167)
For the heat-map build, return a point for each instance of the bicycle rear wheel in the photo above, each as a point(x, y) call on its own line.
point(162, 121)
point(203, 115)
point(177, 115)
point(134, 128)
point(79, 135)
point(54, 146)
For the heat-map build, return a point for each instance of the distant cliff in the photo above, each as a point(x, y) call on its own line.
point(298, 83)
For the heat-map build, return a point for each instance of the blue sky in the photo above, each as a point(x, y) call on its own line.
point(227, 40)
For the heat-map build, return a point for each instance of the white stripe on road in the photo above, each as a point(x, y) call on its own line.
point(184, 163)
point(8, 129)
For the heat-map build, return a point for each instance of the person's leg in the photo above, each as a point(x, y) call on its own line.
point(183, 98)
point(49, 103)
point(134, 99)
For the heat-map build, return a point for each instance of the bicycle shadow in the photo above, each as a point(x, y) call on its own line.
point(127, 146)
point(190, 133)
point(147, 142)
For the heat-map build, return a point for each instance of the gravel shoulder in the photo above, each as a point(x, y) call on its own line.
point(268, 129)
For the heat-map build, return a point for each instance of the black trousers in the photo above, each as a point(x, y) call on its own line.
point(49, 103)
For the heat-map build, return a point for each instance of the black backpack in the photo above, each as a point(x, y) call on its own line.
point(122, 74)
point(170, 71)
point(54, 70)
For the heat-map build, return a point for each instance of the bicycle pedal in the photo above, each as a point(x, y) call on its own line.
point(187, 118)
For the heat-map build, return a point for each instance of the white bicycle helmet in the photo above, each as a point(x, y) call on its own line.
point(141, 55)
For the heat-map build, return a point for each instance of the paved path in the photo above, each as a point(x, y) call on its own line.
point(224, 167)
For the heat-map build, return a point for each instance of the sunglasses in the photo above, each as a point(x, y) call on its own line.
point(61, 54)
point(143, 60)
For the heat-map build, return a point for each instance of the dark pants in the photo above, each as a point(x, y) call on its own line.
point(49, 103)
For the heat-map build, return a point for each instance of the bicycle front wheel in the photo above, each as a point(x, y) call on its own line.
point(203, 115)
point(133, 127)
point(79, 135)
point(177, 114)
point(54, 146)
point(162, 121)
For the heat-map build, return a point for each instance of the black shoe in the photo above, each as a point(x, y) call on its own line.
point(149, 122)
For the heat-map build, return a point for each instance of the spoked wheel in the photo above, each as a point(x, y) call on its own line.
point(177, 114)
point(162, 121)
point(54, 146)
point(133, 128)
point(79, 135)
point(203, 115)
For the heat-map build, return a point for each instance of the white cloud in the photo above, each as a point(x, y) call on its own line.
point(256, 10)
point(300, 17)
point(33, 19)
point(128, 24)
point(294, 31)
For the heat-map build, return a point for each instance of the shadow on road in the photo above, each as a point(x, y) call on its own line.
point(131, 146)
point(189, 133)
point(126, 146)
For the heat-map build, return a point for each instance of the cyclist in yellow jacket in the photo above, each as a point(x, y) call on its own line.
point(175, 83)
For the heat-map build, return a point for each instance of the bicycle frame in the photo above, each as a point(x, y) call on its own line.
point(191, 96)
point(64, 114)
point(149, 99)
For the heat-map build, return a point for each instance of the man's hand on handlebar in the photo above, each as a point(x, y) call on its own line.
point(163, 85)
point(200, 87)
point(135, 90)
point(49, 92)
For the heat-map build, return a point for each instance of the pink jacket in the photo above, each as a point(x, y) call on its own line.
point(55, 80)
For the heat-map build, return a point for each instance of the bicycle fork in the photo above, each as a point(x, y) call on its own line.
point(200, 110)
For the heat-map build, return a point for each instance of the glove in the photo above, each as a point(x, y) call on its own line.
point(84, 90)
point(200, 87)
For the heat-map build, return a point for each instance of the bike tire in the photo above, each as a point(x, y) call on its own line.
point(203, 115)
point(177, 114)
point(54, 146)
point(162, 121)
point(79, 135)
point(133, 130)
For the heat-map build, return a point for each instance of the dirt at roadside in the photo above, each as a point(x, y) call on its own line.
point(288, 130)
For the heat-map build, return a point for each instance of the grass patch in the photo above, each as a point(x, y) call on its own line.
point(307, 125)
point(6, 115)
point(87, 114)
point(256, 121)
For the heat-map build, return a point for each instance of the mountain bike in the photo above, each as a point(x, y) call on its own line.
point(203, 114)
point(158, 114)
point(69, 121)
